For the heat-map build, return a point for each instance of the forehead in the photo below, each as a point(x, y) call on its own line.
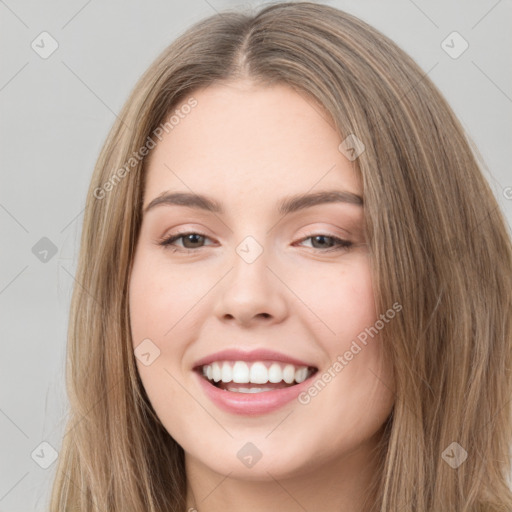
point(242, 139)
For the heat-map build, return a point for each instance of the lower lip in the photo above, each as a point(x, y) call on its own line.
point(251, 403)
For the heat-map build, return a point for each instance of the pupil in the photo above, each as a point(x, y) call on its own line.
point(321, 237)
point(192, 236)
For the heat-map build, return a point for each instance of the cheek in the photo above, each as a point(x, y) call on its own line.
point(341, 299)
point(159, 298)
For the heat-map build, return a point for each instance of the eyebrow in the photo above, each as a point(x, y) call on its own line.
point(287, 205)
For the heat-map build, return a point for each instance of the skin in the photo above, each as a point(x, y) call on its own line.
point(248, 147)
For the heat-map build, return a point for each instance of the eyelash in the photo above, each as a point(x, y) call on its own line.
point(340, 244)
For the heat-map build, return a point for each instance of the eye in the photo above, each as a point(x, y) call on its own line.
point(194, 240)
point(335, 244)
point(191, 240)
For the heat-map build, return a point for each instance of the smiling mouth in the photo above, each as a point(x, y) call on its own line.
point(254, 377)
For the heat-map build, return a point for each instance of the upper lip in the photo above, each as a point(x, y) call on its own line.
point(235, 354)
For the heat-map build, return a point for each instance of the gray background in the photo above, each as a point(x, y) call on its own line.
point(55, 115)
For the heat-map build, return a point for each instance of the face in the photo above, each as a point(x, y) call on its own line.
point(258, 288)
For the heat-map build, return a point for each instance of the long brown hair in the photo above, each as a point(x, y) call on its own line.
point(438, 246)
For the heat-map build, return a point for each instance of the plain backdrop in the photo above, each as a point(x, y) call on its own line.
point(56, 111)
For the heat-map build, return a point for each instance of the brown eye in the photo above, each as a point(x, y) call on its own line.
point(190, 241)
point(326, 243)
point(321, 239)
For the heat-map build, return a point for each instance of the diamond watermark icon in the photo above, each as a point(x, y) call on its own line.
point(249, 455)
point(44, 45)
point(454, 455)
point(352, 147)
point(44, 455)
point(249, 249)
point(44, 250)
point(146, 352)
point(454, 45)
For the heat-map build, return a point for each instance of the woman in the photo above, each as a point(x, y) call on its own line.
point(295, 285)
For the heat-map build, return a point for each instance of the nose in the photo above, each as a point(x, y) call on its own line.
point(251, 294)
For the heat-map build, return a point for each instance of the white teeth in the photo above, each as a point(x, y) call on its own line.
point(226, 372)
point(275, 374)
point(249, 390)
point(216, 372)
point(301, 375)
point(257, 372)
point(289, 373)
point(240, 372)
